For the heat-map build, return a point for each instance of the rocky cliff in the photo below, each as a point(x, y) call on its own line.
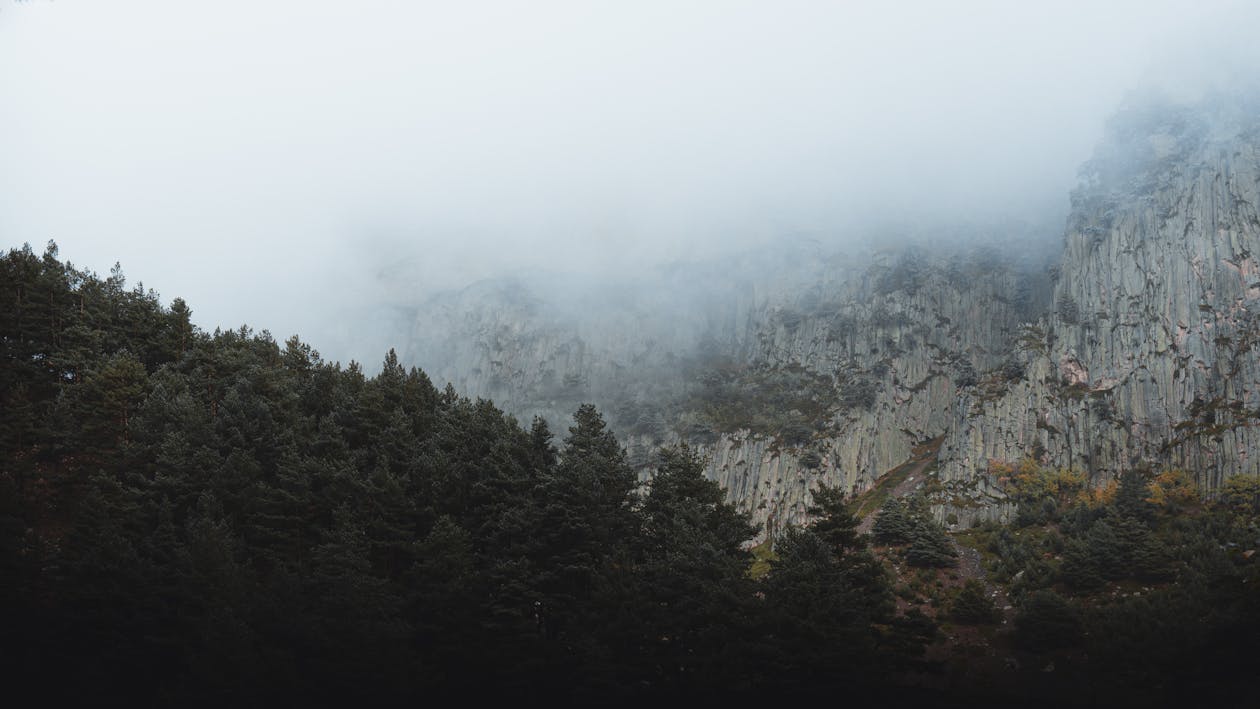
point(1146, 357)
point(1129, 344)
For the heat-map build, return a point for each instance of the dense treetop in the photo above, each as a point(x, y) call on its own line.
point(216, 515)
point(193, 517)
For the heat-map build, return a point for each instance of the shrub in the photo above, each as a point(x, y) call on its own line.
point(1241, 494)
point(1173, 490)
point(811, 460)
point(971, 606)
point(1046, 621)
point(1080, 568)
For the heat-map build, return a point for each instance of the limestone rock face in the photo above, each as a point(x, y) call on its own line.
point(1147, 356)
point(785, 369)
point(1129, 344)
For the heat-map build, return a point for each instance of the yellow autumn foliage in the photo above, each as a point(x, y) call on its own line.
point(1174, 489)
point(1241, 493)
point(1029, 480)
point(1104, 494)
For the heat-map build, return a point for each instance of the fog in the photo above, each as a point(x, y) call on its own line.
point(308, 166)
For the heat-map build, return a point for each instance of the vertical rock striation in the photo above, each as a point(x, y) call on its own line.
point(1147, 357)
point(795, 365)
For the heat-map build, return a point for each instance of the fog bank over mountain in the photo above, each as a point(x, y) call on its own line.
point(397, 149)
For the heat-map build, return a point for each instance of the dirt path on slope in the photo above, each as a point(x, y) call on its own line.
point(971, 566)
point(902, 480)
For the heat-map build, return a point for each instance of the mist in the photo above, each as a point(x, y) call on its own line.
point(309, 167)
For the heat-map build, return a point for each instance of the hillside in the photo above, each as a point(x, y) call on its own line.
point(905, 476)
point(1127, 345)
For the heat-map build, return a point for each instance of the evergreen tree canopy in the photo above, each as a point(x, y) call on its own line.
point(218, 518)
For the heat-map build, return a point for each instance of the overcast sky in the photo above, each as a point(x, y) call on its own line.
point(267, 159)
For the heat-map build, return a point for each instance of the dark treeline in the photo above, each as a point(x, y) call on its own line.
point(213, 518)
point(1139, 591)
point(197, 518)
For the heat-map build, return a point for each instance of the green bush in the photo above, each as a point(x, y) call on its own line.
point(1047, 621)
point(971, 606)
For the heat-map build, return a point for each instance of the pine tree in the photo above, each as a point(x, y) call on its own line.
point(830, 602)
point(691, 585)
point(828, 613)
point(355, 614)
point(834, 523)
point(929, 546)
point(1131, 497)
point(540, 436)
point(585, 520)
point(1081, 570)
point(894, 524)
point(909, 522)
point(444, 602)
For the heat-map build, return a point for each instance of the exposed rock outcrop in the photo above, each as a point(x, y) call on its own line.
point(1147, 358)
point(1133, 345)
